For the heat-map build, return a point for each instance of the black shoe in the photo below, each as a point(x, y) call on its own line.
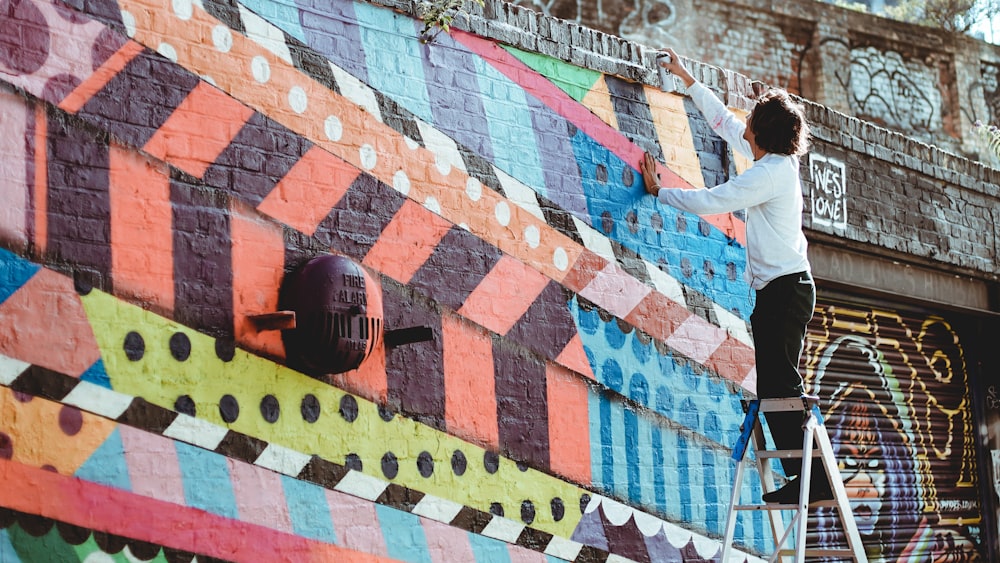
point(789, 493)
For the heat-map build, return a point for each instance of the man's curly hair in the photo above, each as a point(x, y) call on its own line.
point(779, 124)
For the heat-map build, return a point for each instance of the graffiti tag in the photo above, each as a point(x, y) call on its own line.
point(829, 194)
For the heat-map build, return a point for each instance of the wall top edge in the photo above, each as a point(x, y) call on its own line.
point(529, 30)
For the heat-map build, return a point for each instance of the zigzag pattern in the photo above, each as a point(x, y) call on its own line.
point(604, 282)
point(529, 245)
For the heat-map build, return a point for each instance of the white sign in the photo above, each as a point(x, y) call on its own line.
point(829, 194)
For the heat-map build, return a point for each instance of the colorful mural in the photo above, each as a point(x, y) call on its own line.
point(171, 162)
point(900, 418)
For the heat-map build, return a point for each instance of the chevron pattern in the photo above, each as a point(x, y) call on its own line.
point(332, 163)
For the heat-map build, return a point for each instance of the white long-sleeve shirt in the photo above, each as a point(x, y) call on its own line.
point(769, 190)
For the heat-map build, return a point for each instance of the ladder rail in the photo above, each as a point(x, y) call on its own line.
point(815, 444)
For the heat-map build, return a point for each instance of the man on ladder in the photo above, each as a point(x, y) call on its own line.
point(774, 135)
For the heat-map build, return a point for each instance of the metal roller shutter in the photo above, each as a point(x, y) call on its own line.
point(896, 397)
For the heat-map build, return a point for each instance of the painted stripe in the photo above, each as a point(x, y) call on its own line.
point(734, 325)
point(196, 431)
point(503, 529)
point(73, 501)
point(40, 186)
point(208, 484)
point(547, 326)
point(398, 48)
point(512, 135)
point(673, 130)
point(736, 362)
point(411, 546)
point(696, 338)
point(568, 413)
point(305, 195)
point(74, 153)
point(53, 330)
point(100, 77)
point(469, 126)
point(518, 554)
point(259, 496)
point(141, 243)
point(504, 295)
point(407, 242)
point(587, 122)
point(470, 409)
point(635, 119)
point(264, 34)
point(203, 253)
point(96, 399)
point(446, 543)
point(563, 548)
point(357, 92)
point(11, 369)
point(198, 130)
point(258, 270)
point(309, 511)
point(442, 281)
point(436, 508)
point(520, 388)
point(357, 523)
point(594, 241)
point(659, 316)
point(665, 284)
point(16, 190)
point(574, 357)
point(615, 290)
point(519, 194)
point(237, 169)
point(361, 485)
point(134, 123)
point(598, 101)
point(153, 467)
point(283, 460)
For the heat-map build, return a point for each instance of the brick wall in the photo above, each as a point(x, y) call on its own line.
point(171, 163)
point(922, 82)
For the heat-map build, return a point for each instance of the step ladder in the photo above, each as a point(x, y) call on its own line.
point(752, 434)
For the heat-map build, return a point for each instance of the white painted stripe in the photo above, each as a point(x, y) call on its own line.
point(666, 284)
point(503, 529)
point(519, 194)
point(361, 485)
point(444, 148)
point(10, 369)
point(282, 459)
point(563, 548)
point(196, 431)
point(734, 325)
point(264, 34)
point(436, 508)
point(357, 91)
point(98, 400)
point(595, 241)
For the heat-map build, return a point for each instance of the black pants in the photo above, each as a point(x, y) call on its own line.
point(782, 311)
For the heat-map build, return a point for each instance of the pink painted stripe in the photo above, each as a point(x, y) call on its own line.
point(697, 338)
point(153, 467)
point(14, 185)
point(615, 290)
point(447, 544)
point(260, 496)
point(118, 512)
point(356, 523)
point(520, 554)
point(579, 115)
